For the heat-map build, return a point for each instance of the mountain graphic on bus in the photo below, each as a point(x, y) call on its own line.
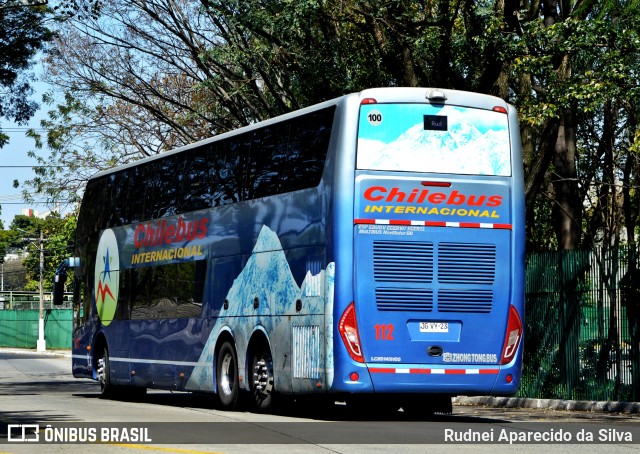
point(268, 277)
point(467, 147)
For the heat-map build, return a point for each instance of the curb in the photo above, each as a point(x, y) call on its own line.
point(32, 351)
point(550, 404)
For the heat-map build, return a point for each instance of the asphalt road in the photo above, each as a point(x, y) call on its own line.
point(40, 399)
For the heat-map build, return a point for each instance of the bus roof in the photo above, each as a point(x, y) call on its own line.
point(380, 95)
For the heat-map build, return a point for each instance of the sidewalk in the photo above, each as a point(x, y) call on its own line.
point(550, 404)
point(33, 351)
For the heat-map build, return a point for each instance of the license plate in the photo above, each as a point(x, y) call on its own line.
point(434, 327)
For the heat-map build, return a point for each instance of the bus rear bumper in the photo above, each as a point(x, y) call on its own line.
point(454, 380)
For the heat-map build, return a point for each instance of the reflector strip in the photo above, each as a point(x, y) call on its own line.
point(462, 225)
point(115, 359)
point(432, 371)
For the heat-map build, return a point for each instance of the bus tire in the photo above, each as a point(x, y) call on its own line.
point(227, 376)
point(104, 375)
point(261, 378)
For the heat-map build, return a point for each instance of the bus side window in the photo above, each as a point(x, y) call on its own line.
point(123, 310)
point(195, 185)
point(269, 161)
point(232, 158)
point(167, 291)
point(308, 146)
point(81, 301)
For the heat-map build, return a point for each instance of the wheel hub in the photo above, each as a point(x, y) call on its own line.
point(101, 370)
point(263, 375)
point(227, 377)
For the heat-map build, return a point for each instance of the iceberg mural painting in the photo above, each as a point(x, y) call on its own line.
point(267, 276)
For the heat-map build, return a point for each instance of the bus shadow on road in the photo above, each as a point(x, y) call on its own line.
point(303, 408)
point(30, 388)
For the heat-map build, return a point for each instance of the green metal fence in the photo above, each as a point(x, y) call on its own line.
point(581, 333)
point(19, 328)
point(19, 314)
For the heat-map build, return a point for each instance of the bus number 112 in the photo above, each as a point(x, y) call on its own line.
point(384, 332)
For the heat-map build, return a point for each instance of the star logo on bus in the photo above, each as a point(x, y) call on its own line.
point(107, 277)
point(107, 269)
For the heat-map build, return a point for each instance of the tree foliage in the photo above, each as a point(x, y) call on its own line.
point(22, 34)
point(569, 70)
point(141, 77)
point(24, 233)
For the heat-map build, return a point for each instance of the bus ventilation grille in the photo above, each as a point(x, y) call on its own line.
point(402, 262)
point(478, 301)
point(403, 299)
point(463, 263)
point(306, 351)
point(424, 277)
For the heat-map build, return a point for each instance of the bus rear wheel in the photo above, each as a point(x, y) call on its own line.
point(227, 376)
point(261, 378)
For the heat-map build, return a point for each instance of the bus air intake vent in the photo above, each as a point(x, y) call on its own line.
point(403, 299)
point(306, 351)
point(463, 263)
point(456, 300)
point(403, 262)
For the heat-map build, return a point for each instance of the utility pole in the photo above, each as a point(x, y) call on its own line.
point(41, 344)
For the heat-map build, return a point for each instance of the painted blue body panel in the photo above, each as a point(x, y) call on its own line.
point(154, 353)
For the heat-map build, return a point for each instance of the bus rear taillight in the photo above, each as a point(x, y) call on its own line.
point(512, 339)
point(348, 328)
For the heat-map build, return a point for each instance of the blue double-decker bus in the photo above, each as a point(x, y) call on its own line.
point(368, 249)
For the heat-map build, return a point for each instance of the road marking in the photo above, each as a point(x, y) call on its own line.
point(156, 448)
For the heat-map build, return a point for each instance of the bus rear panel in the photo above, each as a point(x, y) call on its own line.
point(438, 248)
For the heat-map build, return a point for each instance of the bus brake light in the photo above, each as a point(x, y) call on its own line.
point(500, 109)
point(369, 101)
point(512, 339)
point(348, 329)
point(440, 184)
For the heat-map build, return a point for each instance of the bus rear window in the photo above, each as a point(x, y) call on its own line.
point(434, 139)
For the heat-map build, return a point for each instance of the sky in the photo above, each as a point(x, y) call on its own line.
point(15, 164)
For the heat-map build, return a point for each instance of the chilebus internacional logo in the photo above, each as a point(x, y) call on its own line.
point(107, 277)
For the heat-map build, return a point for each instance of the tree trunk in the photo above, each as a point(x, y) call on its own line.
point(567, 211)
